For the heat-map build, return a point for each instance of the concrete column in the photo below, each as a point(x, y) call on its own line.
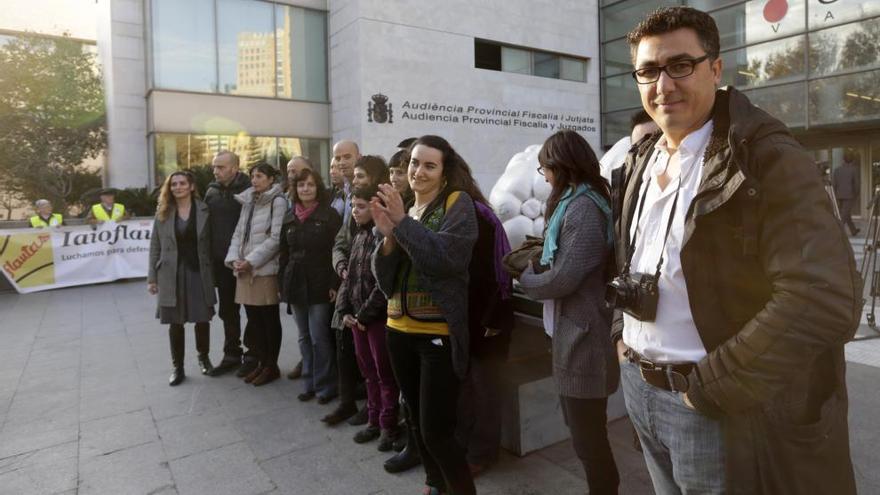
point(122, 53)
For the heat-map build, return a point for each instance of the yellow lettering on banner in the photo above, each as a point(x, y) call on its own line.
point(28, 259)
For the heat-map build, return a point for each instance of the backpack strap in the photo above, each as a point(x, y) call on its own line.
point(451, 199)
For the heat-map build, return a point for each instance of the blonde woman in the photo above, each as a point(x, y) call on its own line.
point(180, 269)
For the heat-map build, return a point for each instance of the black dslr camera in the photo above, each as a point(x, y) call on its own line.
point(635, 294)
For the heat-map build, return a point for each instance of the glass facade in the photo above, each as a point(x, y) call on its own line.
point(183, 151)
point(812, 63)
point(239, 47)
point(494, 56)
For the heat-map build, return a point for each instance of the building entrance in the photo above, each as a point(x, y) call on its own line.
point(831, 150)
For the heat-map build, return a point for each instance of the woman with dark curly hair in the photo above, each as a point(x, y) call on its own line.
point(422, 268)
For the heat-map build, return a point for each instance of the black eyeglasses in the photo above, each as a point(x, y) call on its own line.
point(675, 70)
point(541, 169)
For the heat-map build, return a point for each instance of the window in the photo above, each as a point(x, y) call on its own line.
point(785, 102)
point(616, 58)
point(761, 64)
point(622, 17)
point(620, 92)
point(615, 125)
point(240, 25)
point(184, 151)
point(826, 14)
point(183, 45)
point(748, 22)
point(264, 49)
point(848, 98)
point(493, 56)
point(849, 47)
point(302, 53)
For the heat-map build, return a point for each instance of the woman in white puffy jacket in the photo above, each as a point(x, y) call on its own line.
point(253, 257)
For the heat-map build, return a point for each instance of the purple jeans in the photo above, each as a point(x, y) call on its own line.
point(382, 391)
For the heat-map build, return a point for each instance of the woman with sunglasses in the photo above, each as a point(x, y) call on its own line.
point(180, 269)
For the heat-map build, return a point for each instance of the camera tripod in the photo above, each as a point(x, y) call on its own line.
point(870, 270)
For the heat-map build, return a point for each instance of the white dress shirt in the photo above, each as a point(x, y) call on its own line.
point(672, 336)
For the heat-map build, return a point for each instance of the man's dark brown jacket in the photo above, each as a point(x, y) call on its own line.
point(775, 295)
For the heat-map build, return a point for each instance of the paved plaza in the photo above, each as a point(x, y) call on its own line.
point(85, 408)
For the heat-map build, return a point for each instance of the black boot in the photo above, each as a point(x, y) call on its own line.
point(177, 340)
point(407, 458)
point(203, 345)
point(228, 364)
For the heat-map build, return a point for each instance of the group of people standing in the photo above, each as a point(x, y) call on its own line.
point(374, 270)
point(710, 280)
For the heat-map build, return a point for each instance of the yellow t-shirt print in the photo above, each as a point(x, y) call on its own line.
point(28, 259)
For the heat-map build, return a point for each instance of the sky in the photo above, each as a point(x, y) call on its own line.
point(78, 17)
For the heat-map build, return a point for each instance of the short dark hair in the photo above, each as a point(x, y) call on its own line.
point(638, 118)
point(232, 156)
point(668, 19)
point(400, 159)
point(265, 169)
point(375, 167)
point(406, 143)
point(303, 158)
point(319, 184)
point(365, 193)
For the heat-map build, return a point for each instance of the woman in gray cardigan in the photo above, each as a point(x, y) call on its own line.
point(180, 268)
point(422, 268)
point(577, 246)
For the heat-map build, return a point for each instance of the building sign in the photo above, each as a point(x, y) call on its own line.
point(379, 111)
point(40, 259)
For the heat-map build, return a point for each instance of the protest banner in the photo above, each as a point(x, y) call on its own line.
point(40, 259)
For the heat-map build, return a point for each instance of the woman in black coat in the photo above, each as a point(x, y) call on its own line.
point(308, 282)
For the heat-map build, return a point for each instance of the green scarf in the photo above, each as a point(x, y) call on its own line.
point(551, 238)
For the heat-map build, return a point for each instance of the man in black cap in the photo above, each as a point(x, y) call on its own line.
point(107, 209)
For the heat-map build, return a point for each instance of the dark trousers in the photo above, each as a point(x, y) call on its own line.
point(587, 419)
point(230, 313)
point(382, 391)
point(177, 339)
point(346, 362)
point(479, 410)
point(422, 365)
point(846, 208)
point(264, 323)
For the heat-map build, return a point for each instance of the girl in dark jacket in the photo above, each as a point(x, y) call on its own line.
point(308, 282)
point(364, 309)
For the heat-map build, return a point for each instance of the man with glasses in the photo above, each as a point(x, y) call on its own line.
point(737, 286)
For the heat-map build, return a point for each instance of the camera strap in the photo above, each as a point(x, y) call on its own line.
point(632, 245)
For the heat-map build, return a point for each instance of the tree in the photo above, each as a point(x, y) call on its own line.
point(52, 118)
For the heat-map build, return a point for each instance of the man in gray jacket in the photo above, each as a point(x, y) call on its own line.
point(847, 185)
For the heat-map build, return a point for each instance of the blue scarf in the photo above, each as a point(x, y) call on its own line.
point(552, 236)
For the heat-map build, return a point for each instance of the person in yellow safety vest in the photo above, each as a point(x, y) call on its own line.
point(107, 209)
point(44, 216)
